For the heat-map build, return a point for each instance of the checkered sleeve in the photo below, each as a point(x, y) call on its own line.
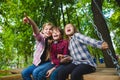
point(88, 41)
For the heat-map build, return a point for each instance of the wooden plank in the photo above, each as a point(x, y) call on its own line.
point(12, 77)
point(102, 74)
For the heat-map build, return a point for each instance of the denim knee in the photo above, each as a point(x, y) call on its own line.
point(53, 76)
point(35, 75)
point(40, 69)
point(25, 75)
point(41, 76)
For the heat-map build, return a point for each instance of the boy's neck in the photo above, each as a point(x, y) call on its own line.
point(69, 37)
point(56, 41)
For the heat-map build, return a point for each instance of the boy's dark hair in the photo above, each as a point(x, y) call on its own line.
point(59, 29)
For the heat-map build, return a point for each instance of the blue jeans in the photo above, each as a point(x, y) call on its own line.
point(42, 73)
point(26, 73)
point(32, 70)
point(54, 75)
point(41, 68)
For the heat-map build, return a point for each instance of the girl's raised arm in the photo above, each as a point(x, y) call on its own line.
point(34, 26)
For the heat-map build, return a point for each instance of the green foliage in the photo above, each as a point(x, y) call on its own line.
point(115, 23)
point(16, 37)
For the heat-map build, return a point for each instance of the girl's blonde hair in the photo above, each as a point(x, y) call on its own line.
point(47, 24)
point(47, 46)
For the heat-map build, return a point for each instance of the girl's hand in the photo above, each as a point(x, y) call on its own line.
point(25, 19)
point(105, 45)
point(60, 56)
point(49, 72)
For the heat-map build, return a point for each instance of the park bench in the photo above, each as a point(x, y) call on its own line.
point(100, 74)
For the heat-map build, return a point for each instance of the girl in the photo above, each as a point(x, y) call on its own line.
point(59, 48)
point(40, 58)
point(82, 62)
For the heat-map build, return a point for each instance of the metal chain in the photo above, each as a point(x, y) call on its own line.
point(115, 62)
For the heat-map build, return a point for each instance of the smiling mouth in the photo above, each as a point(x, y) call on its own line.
point(68, 30)
point(55, 35)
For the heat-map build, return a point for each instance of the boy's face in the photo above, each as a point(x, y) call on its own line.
point(56, 34)
point(69, 30)
point(47, 31)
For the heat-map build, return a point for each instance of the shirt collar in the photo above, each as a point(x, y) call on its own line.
point(58, 41)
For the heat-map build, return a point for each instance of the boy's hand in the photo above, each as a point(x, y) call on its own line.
point(105, 45)
point(66, 59)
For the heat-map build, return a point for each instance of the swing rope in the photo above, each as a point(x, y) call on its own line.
point(115, 62)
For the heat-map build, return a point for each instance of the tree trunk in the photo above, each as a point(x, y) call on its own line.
point(68, 19)
point(103, 29)
point(118, 2)
point(61, 5)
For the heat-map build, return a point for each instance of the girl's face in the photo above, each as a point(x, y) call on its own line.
point(47, 30)
point(69, 30)
point(56, 34)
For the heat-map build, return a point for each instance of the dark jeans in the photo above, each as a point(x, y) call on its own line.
point(76, 71)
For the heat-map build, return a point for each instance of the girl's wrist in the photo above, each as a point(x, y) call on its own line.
point(53, 68)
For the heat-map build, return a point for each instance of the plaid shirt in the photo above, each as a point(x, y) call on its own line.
point(40, 46)
point(61, 47)
point(79, 51)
